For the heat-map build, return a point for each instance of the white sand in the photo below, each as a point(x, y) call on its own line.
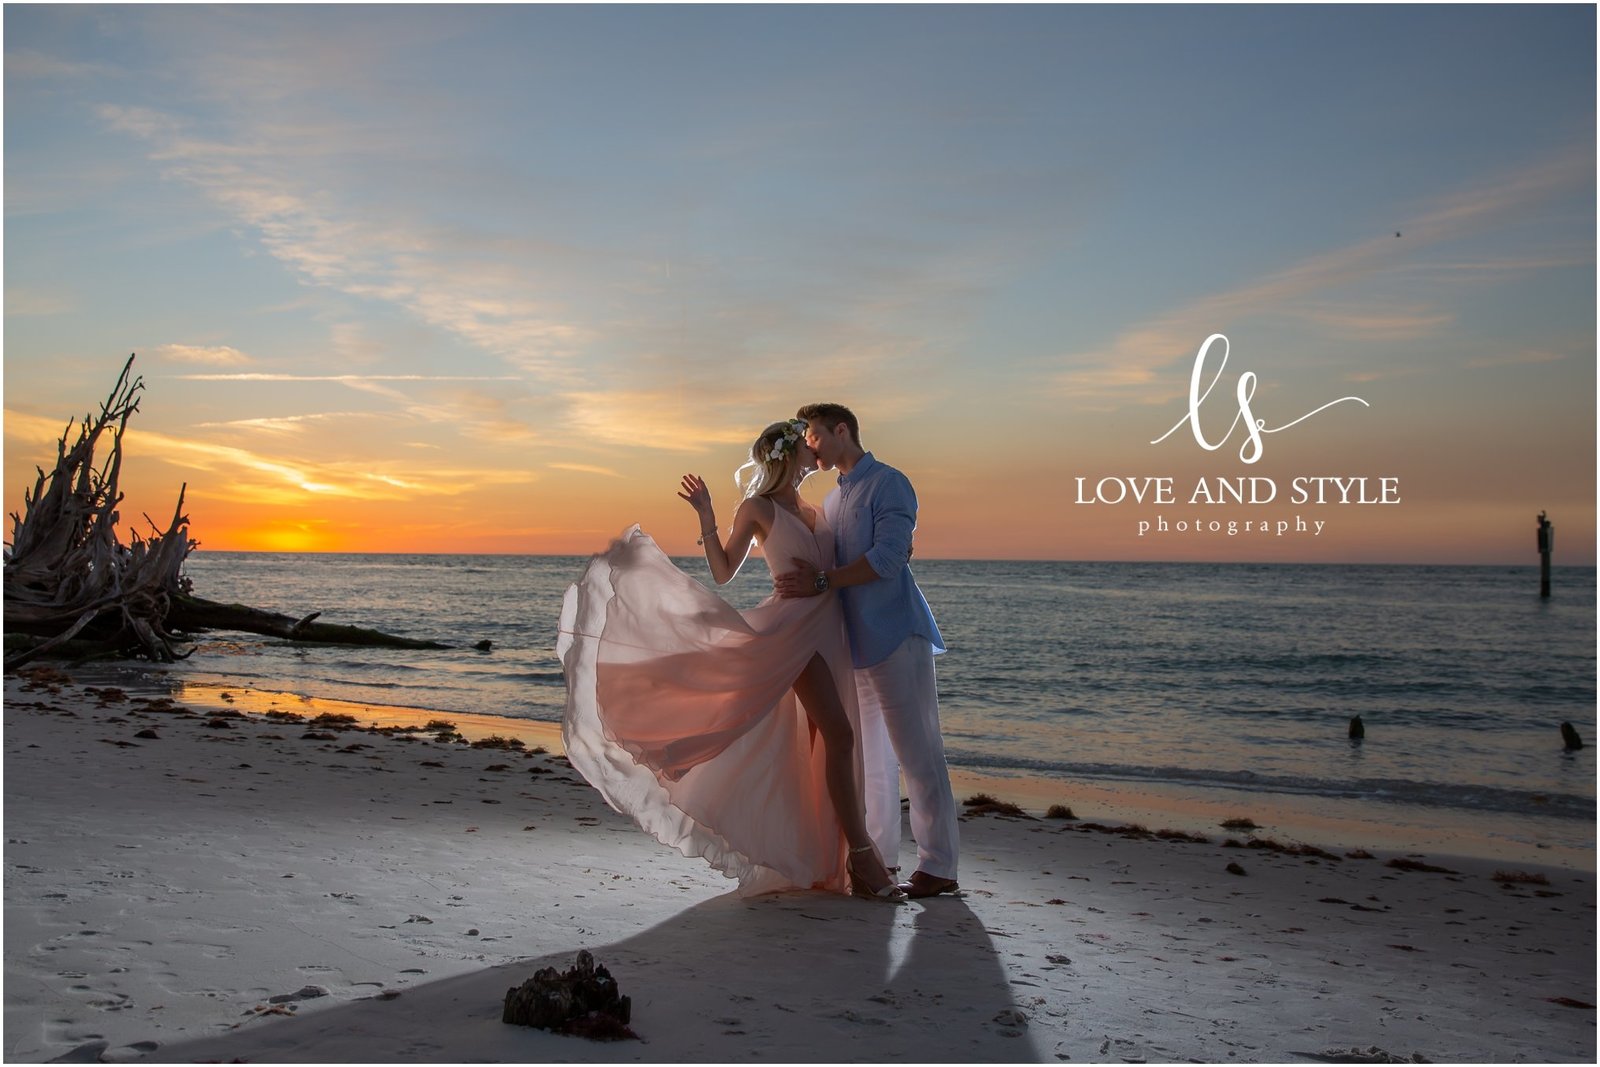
point(159, 897)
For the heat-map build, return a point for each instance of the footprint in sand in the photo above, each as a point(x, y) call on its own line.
point(105, 1001)
point(308, 992)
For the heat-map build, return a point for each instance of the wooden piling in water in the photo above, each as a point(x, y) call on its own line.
point(1547, 541)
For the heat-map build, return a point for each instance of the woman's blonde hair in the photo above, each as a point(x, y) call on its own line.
point(774, 462)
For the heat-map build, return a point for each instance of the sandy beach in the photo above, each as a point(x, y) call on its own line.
point(213, 884)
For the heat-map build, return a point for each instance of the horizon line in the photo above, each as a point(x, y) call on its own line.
point(930, 559)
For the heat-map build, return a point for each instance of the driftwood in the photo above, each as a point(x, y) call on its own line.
point(67, 575)
point(193, 613)
point(583, 1001)
point(69, 579)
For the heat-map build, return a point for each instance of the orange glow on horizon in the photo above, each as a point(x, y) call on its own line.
point(1017, 506)
point(953, 526)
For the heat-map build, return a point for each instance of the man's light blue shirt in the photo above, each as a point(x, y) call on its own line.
point(873, 513)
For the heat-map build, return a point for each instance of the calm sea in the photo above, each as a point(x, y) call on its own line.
point(1212, 684)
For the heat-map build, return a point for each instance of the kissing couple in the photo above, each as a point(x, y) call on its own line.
point(770, 742)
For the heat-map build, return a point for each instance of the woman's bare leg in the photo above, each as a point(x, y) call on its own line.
point(817, 692)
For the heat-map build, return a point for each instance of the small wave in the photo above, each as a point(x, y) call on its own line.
point(1479, 798)
point(366, 667)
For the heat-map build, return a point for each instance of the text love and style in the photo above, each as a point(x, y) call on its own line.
point(1304, 489)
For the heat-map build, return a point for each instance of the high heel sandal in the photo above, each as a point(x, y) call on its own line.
point(889, 894)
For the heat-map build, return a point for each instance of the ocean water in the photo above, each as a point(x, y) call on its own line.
point(1216, 683)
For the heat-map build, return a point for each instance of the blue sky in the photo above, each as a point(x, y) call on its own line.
point(490, 277)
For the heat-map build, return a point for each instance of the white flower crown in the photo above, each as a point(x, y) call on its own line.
point(790, 439)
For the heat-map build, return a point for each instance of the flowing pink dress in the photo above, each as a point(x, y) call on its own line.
point(681, 711)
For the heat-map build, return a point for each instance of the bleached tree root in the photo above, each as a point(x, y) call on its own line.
point(68, 577)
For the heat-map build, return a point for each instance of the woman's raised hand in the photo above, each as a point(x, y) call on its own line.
point(694, 491)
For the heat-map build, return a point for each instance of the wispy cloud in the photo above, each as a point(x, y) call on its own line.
point(584, 468)
point(357, 250)
point(486, 414)
point(27, 429)
point(262, 478)
point(1499, 267)
point(1143, 354)
point(263, 376)
point(286, 424)
point(255, 477)
point(216, 355)
point(24, 64)
point(1373, 323)
point(658, 419)
point(481, 413)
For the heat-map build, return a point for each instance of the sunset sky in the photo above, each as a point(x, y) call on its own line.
point(489, 279)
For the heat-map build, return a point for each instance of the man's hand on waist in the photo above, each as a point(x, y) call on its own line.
point(799, 582)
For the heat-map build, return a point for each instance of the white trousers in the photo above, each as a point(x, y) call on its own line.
point(900, 731)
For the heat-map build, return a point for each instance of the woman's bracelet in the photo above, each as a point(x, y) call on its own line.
point(705, 534)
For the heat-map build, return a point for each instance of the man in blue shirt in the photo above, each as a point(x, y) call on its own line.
point(893, 640)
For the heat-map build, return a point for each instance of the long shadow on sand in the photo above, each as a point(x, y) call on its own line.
point(797, 977)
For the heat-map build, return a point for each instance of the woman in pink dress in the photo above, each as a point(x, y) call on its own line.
point(726, 734)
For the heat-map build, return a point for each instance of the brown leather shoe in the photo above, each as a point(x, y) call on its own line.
point(928, 885)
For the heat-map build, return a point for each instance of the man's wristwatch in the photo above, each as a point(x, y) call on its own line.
point(820, 582)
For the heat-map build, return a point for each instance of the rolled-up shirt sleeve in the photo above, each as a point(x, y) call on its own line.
point(894, 520)
point(873, 513)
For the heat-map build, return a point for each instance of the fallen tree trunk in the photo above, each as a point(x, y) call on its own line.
point(190, 613)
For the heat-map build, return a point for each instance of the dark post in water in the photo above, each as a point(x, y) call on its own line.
point(1547, 542)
